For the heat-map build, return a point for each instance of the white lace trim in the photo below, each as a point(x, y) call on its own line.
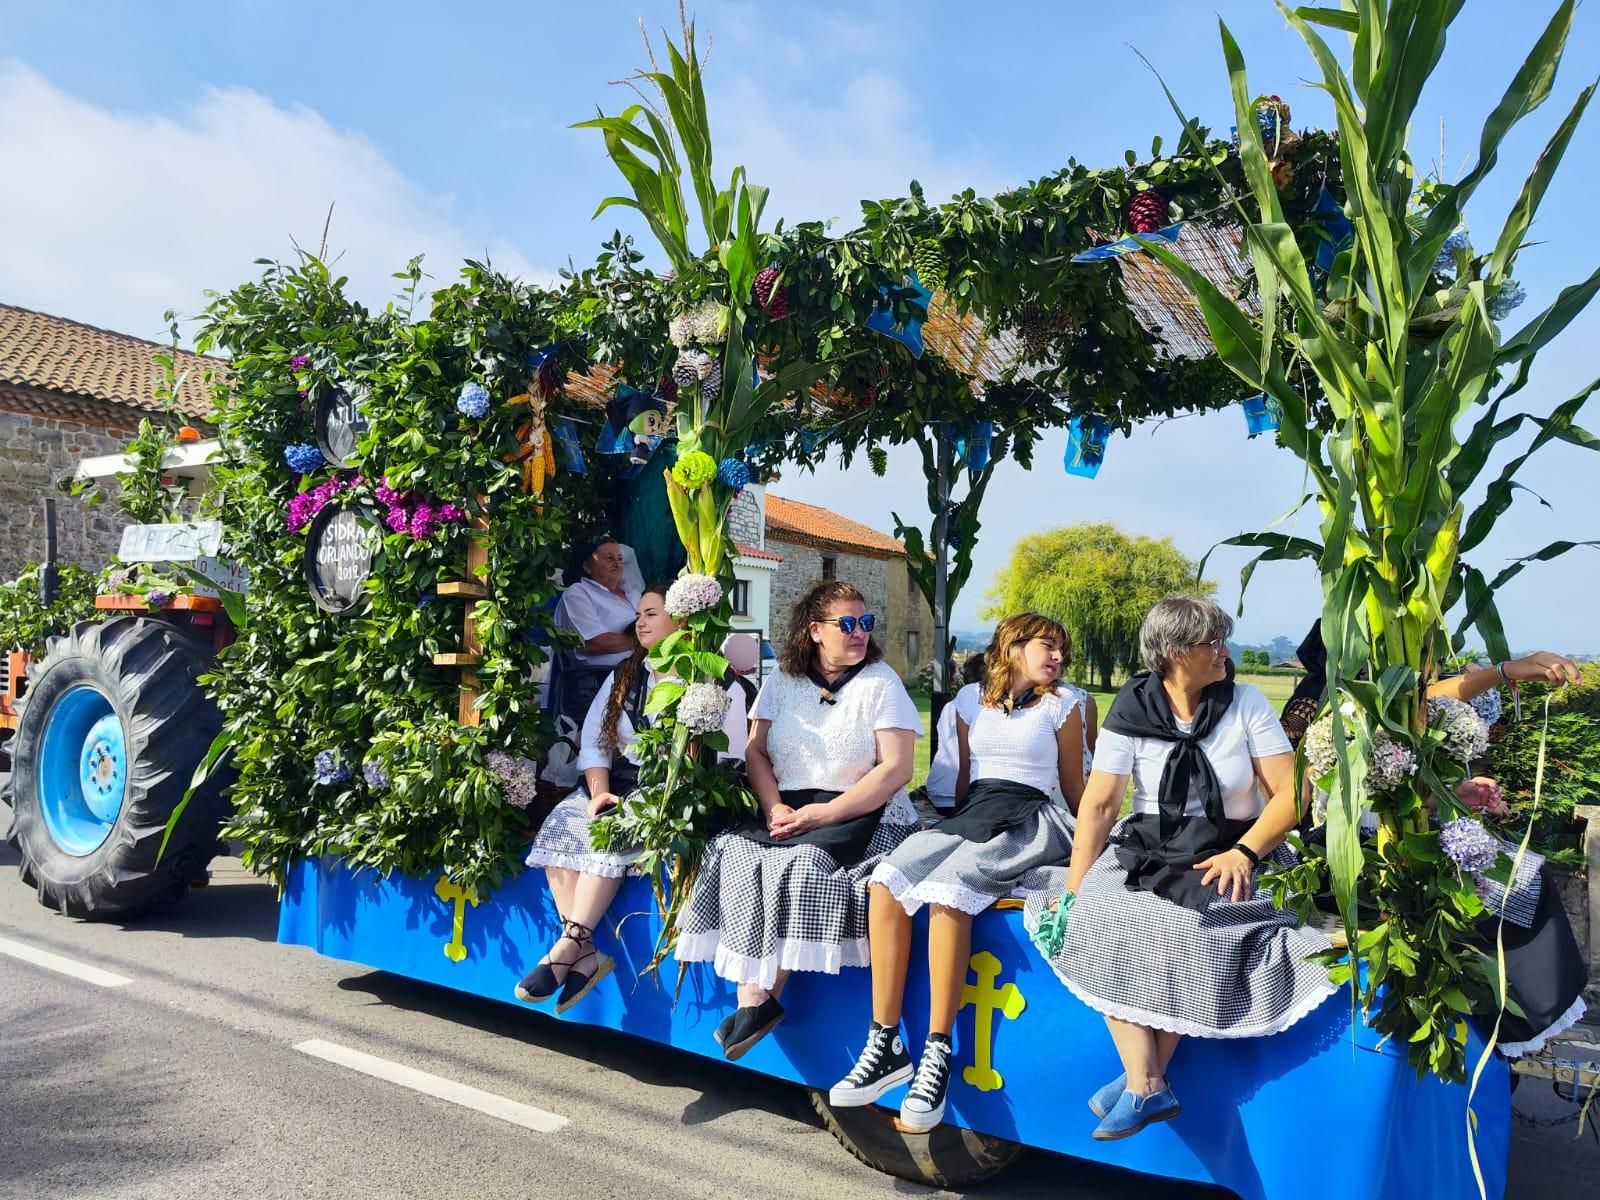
point(913, 896)
point(1533, 1045)
point(608, 865)
point(1307, 1004)
point(790, 954)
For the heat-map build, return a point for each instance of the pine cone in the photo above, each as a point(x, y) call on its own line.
point(683, 373)
point(1147, 211)
point(711, 382)
point(928, 260)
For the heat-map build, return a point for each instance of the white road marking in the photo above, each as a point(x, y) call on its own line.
point(54, 962)
point(525, 1115)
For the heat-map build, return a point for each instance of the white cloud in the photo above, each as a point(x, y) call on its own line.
point(110, 217)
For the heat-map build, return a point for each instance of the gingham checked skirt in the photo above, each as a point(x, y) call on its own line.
point(1234, 971)
point(563, 841)
point(758, 909)
point(934, 867)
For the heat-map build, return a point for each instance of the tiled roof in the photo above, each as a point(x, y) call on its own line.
point(756, 552)
point(808, 525)
point(42, 354)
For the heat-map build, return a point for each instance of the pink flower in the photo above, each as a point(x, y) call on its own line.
point(450, 512)
point(398, 519)
point(298, 361)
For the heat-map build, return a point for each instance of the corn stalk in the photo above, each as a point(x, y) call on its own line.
point(1404, 344)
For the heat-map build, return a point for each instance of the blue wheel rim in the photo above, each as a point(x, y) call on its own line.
point(83, 770)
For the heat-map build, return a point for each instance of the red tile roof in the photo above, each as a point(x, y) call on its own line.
point(756, 552)
point(808, 525)
point(40, 353)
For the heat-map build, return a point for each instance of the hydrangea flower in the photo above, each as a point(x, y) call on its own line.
point(690, 594)
point(733, 473)
point(372, 771)
point(473, 400)
point(157, 598)
point(1389, 765)
point(302, 457)
point(1509, 297)
point(1466, 736)
point(1469, 845)
point(694, 469)
point(1446, 261)
point(1489, 705)
point(519, 777)
point(329, 770)
point(703, 707)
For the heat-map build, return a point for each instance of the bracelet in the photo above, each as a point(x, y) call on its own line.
point(1500, 670)
point(1255, 859)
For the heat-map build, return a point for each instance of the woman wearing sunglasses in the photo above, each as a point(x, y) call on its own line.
point(829, 757)
point(1018, 737)
point(1163, 927)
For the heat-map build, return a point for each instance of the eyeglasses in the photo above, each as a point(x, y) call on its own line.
point(847, 625)
point(1215, 645)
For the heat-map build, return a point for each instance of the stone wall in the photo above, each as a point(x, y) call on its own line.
point(802, 566)
point(908, 638)
point(35, 453)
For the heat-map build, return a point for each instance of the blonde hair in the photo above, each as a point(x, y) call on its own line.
point(1003, 657)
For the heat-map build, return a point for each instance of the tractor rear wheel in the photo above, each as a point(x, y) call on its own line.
point(944, 1157)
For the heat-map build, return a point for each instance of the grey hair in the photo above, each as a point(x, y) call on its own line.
point(1175, 624)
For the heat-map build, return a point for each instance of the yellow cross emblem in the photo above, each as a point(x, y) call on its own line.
point(985, 998)
point(455, 949)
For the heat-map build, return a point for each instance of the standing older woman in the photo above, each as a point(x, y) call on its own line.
point(600, 606)
point(1166, 932)
point(584, 880)
point(829, 757)
point(1017, 739)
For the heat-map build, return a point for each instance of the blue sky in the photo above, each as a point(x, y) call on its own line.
point(151, 152)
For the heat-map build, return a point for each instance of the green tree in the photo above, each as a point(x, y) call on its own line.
point(1098, 582)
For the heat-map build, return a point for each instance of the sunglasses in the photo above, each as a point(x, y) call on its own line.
point(1215, 645)
point(847, 625)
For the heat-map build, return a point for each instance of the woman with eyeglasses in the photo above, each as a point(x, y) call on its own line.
point(584, 880)
point(829, 758)
point(1018, 738)
point(1162, 927)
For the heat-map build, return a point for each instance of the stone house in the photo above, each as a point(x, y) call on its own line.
point(818, 544)
point(70, 391)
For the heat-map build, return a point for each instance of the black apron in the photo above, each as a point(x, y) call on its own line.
point(846, 841)
point(991, 807)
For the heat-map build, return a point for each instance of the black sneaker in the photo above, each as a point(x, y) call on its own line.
point(750, 1025)
point(923, 1107)
point(883, 1064)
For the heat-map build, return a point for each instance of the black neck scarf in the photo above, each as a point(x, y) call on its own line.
point(1159, 854)
point(828, 693)
point(1029, 696)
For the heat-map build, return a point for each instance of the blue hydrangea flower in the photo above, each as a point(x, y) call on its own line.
point(1509, 297)
point(473, 401)
point(1489, 705)
point(302, 457)
point(329, 770)
point(156, 598)
point(733, 473)
point(372, 771)
point(1446, 261)
point(1469, 845)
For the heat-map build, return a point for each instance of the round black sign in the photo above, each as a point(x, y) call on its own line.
point(339, 421)
point(340, 546)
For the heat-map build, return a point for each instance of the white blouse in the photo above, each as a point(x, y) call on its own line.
point(590, 753)
point(831, 746)
point(1248, 730)
point(1020, 745)
point(592, 609)
point(946, 762)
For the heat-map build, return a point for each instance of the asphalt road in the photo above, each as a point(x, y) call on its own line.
point(186, 1081)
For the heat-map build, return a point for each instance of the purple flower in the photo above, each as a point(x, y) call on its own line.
point(1469, 845)
point(422, 524)
point(452, 513)
point(328, 770)
point(372, 771)
point(398, 519)
point(299, 361)
point(386, 495)
point(156, 598)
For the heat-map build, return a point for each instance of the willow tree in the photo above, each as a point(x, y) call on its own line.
point(1098, 582)
point(1402, 333)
